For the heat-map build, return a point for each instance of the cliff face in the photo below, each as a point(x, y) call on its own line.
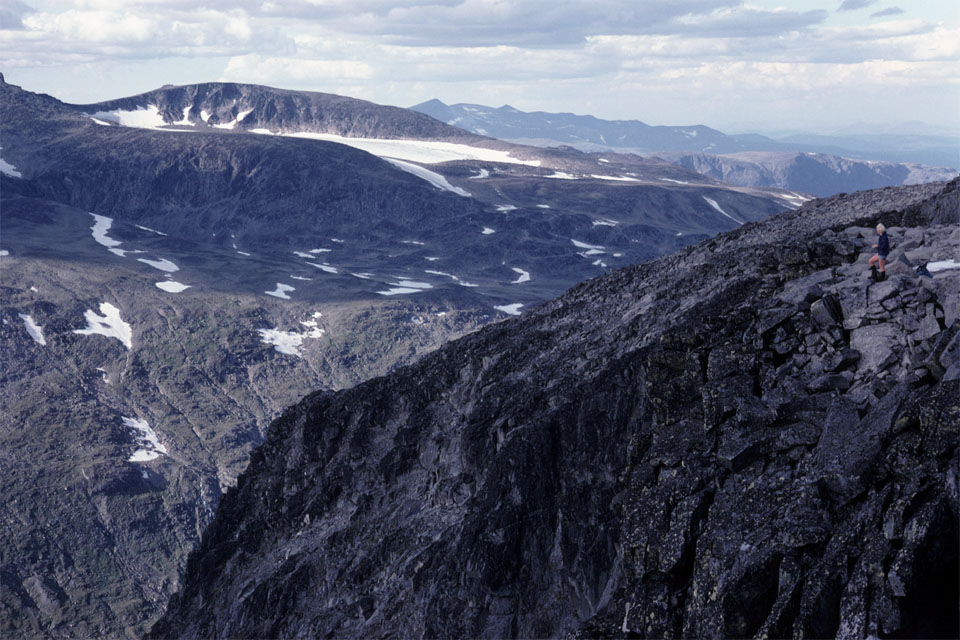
point(747, 437)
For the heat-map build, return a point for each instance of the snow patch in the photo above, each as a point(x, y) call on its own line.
point(405, 287)
point(147, 117)
point(503, 208)
point(4, 252)
point(35, 331)
point(616, 178)
point(713, 203)
point(172, 286)
point(162, 264)
point(543, 206)
point(604, 222)
point(510, 309)
point(102, 123)
point(362, 276)
point(432, 177)
point(159, 233)
point(324, 267)
point(673, 181)
point(487, 231)
point(299, 278)
point(287, 342)
point(8, 169)
point(146, 438)
point(416, 242)
point(280, 291)
point(480, 176)
point(524, 276)
point(100, 228)
point(110, 324)
point(942, 265)
point(560, 175)
point(456, 279)
point(584, 245)
point(243, 253)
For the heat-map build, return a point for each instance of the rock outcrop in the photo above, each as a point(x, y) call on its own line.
point(750, 437)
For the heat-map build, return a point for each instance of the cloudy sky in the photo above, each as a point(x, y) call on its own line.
point(761, 65)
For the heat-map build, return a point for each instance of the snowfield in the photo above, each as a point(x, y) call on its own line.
point(35, 331)
point(510, 309)
point(524, 276)
point(423, 151)
point(713, 203)
point(172, 286)
point(146, 438)
point(287, 342)
point(162, 264)
point(432, 177)
point(110, 324)
point(406, 286)
point(281, 291)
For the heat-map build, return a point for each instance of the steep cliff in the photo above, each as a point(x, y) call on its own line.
point(748, 437)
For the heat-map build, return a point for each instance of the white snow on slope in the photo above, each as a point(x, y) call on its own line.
point(487, 231)
point(100, 122)
point(503, 208)
point(942, 265)
point(451, 276)
point(300, 278)
point(185, 120)
point(280, 291)
point(4, 252)
point(100, 228)
point(172, 286)
point(560, 175)
point(35, 331)
point(159, 233)
point(143, 118)
point(524, 276)
point(584, 245)
point(287, 342)
point(110, 324)
point(162, 264)
point(406, 286)
point(324, 267)
point(603, 222)
point(146, 438)
point(480, 176)
point(425, 151)
point(616, 178)
point(303, 254)
point(673, 181)
point(713, 203)
point(510, 309)
point(8, 169)
point(543, 206)
point(432, 177)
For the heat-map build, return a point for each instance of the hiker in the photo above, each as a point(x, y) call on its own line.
point(883, 250)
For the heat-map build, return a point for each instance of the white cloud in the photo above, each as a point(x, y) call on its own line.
point(663, 61)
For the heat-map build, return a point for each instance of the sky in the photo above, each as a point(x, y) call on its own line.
point(765, 65)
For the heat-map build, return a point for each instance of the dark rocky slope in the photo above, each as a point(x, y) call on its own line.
point(746, 438)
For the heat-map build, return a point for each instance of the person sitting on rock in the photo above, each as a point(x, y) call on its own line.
point(883, 250)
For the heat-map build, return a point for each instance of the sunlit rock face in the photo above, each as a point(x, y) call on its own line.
point(749, 437)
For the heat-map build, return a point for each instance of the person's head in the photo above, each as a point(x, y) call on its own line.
point(880, 229)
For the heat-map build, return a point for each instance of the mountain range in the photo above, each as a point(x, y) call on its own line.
point(180, 266)
point(821, 165)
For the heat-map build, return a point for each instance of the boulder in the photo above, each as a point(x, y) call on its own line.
point(827, 311)
point(876, 343)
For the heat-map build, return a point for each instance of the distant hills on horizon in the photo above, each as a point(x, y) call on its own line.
point(589, 133)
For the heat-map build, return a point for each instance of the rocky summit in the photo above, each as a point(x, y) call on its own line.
point(750, 437)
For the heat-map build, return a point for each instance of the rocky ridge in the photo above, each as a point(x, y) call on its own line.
point(747, 438)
